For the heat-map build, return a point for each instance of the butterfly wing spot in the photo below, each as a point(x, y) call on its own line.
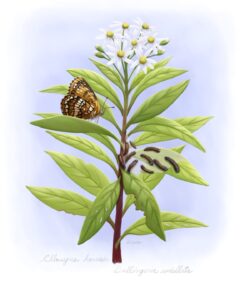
point(81, 100)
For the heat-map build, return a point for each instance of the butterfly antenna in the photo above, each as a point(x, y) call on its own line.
point(104, 104)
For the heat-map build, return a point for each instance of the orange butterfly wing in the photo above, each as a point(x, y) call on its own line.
point(81, 101)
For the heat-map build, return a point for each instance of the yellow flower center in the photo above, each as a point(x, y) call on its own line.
point(145, 26)
point(109, 34)
point(151, 39)
point(125, 25)
point(120, 53)
point(134, 43)
point(142, 60)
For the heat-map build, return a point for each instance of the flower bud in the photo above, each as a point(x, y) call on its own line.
point(160, 52)
point(164, 42)
point(99, 48)
point(99, 54)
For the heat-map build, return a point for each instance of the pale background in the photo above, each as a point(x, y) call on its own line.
point(41, 41)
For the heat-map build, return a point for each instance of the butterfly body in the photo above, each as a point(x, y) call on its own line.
point(81, 101)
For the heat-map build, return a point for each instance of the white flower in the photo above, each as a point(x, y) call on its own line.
point(152, 41)
point(118, 53)
point(120, 26)
point(142, 27)
point(142, 61)
point(134, 41)
point(107, 35)
point(121, 29)
point(134, 44)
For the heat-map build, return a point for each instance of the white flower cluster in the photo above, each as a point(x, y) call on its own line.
point(135, 44)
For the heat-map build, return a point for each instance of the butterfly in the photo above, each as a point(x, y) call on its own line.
point(81, 101)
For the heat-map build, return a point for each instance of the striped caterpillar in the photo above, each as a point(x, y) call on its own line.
point(126, 148)
point(133, 145)
point(146, 170)
point(132, 165)
point(148, 159)
point(130, 155)
point(154, 149)
point(173, 163)
point(121, 161)
point(159, 165)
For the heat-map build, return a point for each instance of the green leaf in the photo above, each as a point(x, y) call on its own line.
point(87, 176)
point(129, 201)
point(158, 103)
point(98, 84)
point(101, 138)
point(72, 124)
point(193, 123)
point(190, 123)
point(57, 89)
point(47, 115)
point(145, 202)
point(85, 146)
point(187, 170)
point(62, 200)
point(178, 149)
point(107, 113)
point(100, 211)
point(139, 77)
point(156, 76)
point(161, 63)
point(105, 141)
point(170, 128)
point(170, 220)
point(152, 180)
point(109, 73)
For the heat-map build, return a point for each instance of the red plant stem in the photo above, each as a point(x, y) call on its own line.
point(116, 251)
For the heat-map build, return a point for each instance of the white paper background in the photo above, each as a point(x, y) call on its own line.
point(217, 276)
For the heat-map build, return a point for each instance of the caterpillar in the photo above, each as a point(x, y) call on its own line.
point(126, 148)
point(130, 155)
point(121, 161)
point(146, 170)
point(132, 165)
point(148, 158)
point(154, 149)
point(133, 145)
point(173, 163)
point(159, 165)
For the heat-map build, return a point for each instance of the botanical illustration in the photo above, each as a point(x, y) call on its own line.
point(128, 62)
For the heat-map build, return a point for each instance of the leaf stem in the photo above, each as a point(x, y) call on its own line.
point(132, 73)
point(120, 74)
point(110, 221)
